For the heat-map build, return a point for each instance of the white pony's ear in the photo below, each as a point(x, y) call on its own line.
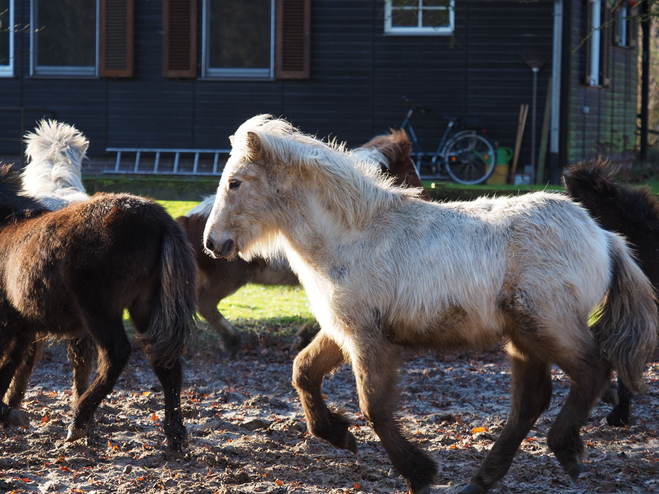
point(231, 140)
point(254, 146)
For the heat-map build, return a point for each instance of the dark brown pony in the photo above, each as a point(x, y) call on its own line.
point(633, 212)
point(73, 272)
point(219, 278)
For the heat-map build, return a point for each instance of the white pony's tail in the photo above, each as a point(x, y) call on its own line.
point(53, 174)
point(626, 325)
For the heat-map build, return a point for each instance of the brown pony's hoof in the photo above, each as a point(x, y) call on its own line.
point(574, 471)
point(352, 443)
point(75, 433)
point(472, 489)
point(18, 417)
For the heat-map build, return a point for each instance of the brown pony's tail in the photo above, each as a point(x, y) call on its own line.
point(174, 313)
point(626, 325)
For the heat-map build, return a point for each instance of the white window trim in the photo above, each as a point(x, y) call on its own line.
point(235, 74)
point(8, 69)
point(419, 30)
point(61, 71)
point(595, 43)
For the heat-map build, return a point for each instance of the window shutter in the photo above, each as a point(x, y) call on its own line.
point(293, 39)
point(179, 45)
point(116, 38)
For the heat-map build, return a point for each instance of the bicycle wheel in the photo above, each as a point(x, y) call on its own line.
point(469, 158)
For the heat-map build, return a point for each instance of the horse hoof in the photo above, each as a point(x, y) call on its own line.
point(472, 489)
point(18, 417)
point(352, 443)
point(75, 433)
point(616, 420)
point(575, 471)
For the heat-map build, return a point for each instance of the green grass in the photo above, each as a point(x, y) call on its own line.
point(177, 208)
point(277, 304)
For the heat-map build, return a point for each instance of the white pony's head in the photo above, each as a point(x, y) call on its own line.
point(54, 171)
point(277, 177)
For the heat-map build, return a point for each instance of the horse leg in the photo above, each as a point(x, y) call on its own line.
point(14, 355)
point(620, 415)
point(82, 354)
point(309, 368)
point(229, 336)
point(376, 374)
point(171, 378)
point(588, 375)
point(531, 396)
point(113, 353)
point(16, 392)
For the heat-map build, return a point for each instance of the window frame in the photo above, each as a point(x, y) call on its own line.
point(210, 73)
point(62, 71)
point(390, 30)
point(8, 69)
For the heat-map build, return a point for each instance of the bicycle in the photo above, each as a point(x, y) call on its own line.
point(466, 154)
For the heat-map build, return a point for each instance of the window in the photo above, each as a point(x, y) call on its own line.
point(81, 38)
point(624, 24)
point(598, 43)
point(241, 39)
point(419, 17)
point(238, 39)
point(6, 38)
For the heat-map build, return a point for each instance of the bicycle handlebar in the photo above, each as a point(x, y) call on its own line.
point(413, 106)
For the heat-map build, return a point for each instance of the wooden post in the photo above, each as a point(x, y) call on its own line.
point(523, 112)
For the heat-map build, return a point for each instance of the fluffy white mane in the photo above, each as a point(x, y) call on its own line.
point(351, 186)
point(53, 174)
point(203, 208)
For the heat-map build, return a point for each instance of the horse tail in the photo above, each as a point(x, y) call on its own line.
point(626, 324)
point(174, 312)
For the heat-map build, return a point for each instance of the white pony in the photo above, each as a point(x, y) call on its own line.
point(384, 270)
point(53, 174)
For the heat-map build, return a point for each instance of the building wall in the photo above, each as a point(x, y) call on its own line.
point(358, 78)
point(602, 119)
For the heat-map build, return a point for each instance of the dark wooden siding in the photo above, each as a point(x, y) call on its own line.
point(602, 120)
point(358, 76)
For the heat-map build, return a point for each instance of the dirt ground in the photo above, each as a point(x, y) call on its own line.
point(247, 433)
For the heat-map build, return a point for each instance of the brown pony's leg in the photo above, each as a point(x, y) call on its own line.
point(16, 392)
point(171, 379)
point(113, 353)
point(14, 353)
point(82, 354)
point(588, 375)
point(620, 415)
point(377, 373)
point(229, 335)
point(309, 368)
point(531, 396)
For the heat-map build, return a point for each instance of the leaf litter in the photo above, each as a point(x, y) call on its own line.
point(247, 432)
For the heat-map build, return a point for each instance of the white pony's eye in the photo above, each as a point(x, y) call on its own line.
point(234, 183)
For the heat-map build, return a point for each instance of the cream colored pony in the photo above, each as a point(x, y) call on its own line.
point(384, 271)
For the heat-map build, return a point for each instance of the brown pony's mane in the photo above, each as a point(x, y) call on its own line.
point(395, 146)
point(12, 204)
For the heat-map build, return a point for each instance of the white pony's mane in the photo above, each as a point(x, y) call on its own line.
point(53, 174)
point(372, 156)
point(349, 185)
point(203, 208)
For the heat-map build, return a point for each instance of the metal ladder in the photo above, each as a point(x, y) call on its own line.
point(158, 152)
